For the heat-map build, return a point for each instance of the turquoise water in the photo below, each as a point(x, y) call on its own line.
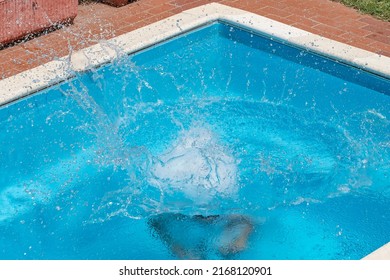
point(120, 162)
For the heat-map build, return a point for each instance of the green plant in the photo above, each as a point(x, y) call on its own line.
point(377, 8)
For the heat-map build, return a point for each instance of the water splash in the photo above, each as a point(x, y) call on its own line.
point(197, 165)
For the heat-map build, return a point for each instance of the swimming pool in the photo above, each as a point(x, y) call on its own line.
point(165, 148)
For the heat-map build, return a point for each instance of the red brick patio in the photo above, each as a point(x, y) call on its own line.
point(96, 21)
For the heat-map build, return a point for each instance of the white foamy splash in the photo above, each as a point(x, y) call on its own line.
point(197, 165)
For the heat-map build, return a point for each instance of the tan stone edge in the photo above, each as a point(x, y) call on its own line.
point(383, 253)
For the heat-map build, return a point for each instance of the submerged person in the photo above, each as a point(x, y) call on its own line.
point(197, 236)
point(199, 168)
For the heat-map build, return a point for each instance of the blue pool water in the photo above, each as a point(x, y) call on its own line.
point(183, 149)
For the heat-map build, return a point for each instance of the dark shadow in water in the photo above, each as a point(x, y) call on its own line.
point(199, 237)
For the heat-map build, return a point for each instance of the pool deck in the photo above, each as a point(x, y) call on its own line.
point(96, 22)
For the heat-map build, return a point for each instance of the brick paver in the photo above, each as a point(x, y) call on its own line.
point(96, 21)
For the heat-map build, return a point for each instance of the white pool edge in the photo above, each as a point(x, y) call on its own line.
point(382, 253)
point(43, 76)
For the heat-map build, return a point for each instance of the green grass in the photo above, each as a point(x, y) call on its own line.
point(377, 8)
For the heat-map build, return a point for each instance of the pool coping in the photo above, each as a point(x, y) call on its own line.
point(382, 253)
point(43, 76)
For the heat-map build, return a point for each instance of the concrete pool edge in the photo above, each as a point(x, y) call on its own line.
point(383, 253)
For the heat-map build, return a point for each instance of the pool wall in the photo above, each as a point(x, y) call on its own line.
point(41, 77)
